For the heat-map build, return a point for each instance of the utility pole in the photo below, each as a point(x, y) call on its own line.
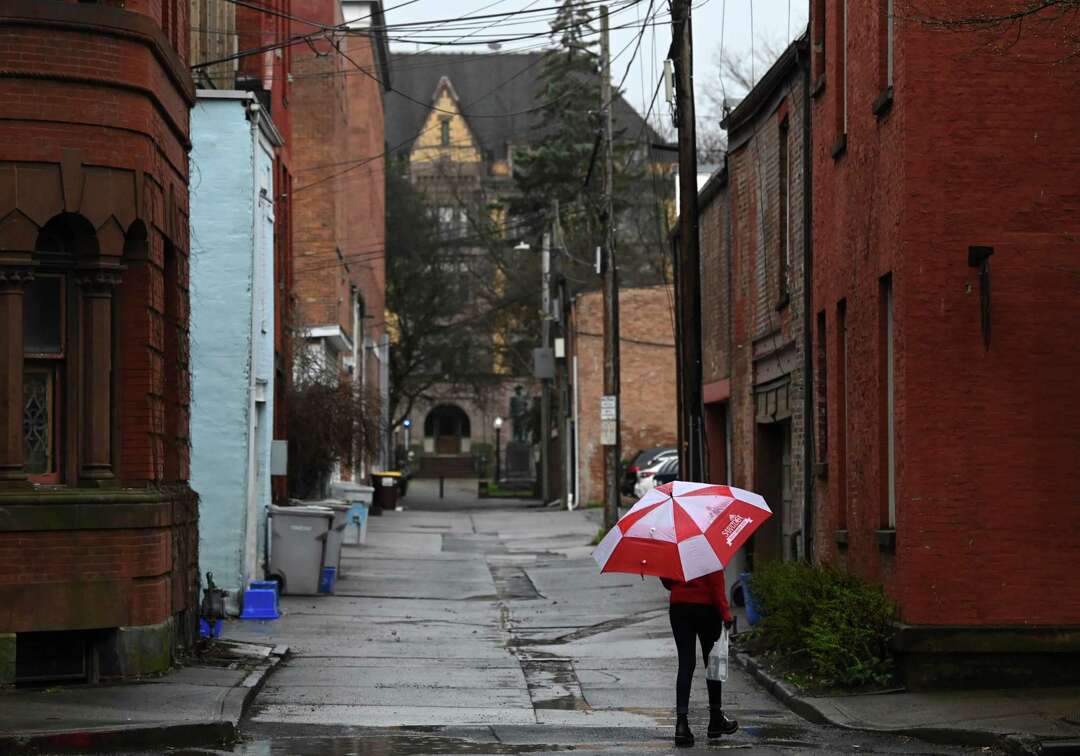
point(561, 372)
point(609, 411)
point(688, 254)
point(545, 383)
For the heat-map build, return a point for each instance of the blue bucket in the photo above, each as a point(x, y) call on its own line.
point(327, 579)
point(752, 615)
point(261, 601)
point(208, 629)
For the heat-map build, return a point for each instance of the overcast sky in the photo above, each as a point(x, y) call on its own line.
point(716, 23)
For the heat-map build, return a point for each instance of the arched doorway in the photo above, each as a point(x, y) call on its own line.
point(447, 427)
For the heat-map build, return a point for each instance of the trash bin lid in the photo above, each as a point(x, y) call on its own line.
point(305, 511)
point(337, 505)
point(342, 489)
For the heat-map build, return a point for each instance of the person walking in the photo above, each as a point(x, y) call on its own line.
point(699, 609)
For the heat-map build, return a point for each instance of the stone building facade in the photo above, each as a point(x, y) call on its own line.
point(98, 525)
point(946, 419)
point(753, 234)
point(458, 122)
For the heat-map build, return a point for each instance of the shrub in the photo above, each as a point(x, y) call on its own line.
point(840, 623)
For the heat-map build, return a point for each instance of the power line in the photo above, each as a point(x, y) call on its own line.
point(345, 28)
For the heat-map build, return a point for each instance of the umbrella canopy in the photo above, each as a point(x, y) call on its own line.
point(682, 531)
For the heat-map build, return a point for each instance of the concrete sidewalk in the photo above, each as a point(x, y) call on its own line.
point(198, 704)
point(1034, 720)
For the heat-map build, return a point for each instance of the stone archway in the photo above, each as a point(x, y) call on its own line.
point(447, 430)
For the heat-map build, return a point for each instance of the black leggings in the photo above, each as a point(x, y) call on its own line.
point(690, 622)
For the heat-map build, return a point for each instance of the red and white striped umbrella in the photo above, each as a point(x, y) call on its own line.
point(682, 531)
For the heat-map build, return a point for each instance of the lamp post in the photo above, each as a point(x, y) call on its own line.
point(498, 430)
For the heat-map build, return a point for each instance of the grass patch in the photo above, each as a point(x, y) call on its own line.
point(821, 628)
point(498, 492)
point(599, 536)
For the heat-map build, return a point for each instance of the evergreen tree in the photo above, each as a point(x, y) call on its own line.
point(565, 161)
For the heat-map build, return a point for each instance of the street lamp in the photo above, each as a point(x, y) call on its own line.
point(498, 429)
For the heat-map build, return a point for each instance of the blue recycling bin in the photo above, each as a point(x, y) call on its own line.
point(327, 579)
point(261, 601)
point(752, 615)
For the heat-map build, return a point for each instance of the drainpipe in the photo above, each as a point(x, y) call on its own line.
point(251, 499)
point(808, 341)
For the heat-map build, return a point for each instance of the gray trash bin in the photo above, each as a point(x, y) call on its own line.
point(298, 542)
point(332, 554)
point(358, 496)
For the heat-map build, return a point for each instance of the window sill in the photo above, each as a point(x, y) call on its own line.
point(821, 470)
point(886, 540)
point(819, 87)
point(883, 104)
point(840, 147)
point(840, 536)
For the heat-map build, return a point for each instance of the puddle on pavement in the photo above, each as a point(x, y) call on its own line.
point(569, 702)
point(776, 734)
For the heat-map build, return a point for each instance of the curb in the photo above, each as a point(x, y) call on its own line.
point(221, 732)
point(1018, 743)
point(203, 733)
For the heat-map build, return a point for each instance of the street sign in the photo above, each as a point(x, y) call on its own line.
point(607, 408)
point(608, 432)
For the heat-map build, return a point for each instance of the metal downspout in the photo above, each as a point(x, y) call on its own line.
point(808, 337)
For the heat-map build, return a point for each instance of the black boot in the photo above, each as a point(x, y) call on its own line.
point(719, 724)
point(683, 737)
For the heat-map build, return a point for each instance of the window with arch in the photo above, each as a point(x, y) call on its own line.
point(50, 328)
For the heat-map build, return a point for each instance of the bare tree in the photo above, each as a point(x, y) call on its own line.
point(332, 420)
point(732, 76)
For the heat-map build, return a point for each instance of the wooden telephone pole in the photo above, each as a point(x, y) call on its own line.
point(688, 254)
point(609, 410)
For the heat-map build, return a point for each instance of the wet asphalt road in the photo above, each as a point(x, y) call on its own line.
point(465, 629)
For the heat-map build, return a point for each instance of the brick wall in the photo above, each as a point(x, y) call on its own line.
point(752, 237)
point(647, 365)
point(977, 149)
point(96, 102)
point(715, 282)
point(339, 185)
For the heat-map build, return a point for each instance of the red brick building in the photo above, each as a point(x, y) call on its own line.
point(339, 232)
point(97, 522)
point(753, 240)
point(647, 398)
point(947, 436)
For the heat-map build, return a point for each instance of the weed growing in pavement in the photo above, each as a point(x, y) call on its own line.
point(824, 627)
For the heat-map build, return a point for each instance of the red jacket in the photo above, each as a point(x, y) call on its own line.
point(707, 589)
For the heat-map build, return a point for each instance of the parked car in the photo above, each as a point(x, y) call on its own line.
point(646, 476)
point(668, 472)
point(644, 458)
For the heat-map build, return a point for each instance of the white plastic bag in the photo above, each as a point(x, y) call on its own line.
point(718, 659)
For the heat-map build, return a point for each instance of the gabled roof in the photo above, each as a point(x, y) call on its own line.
point(495, 91)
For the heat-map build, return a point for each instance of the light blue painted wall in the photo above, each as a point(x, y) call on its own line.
point(264, 344)
point(222, 281)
